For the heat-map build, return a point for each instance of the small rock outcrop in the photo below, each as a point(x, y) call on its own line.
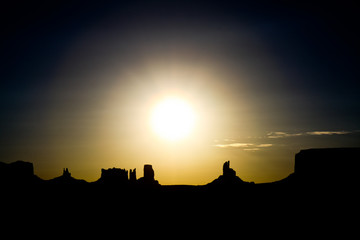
point(66, 173)
point(228, 178)
point(66, 179)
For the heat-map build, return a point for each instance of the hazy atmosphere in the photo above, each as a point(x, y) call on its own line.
point(181, 85)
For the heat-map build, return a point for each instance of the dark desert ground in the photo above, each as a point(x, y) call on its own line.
point(222, 207)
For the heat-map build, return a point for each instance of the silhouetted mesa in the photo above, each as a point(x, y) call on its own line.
point(120, 176)
point(148, 178)
point(314, 169)
point(328, 166)
point(17, 172)
point(114, 176)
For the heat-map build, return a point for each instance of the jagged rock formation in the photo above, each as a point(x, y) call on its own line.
point(228, 178)
point(66, 178)
point(66, 173)
point(120, 176)
point(314, 168)
point(227, 171)
point(149, 175)
point(133, 175)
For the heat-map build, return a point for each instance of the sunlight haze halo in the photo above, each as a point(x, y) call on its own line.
point(172, 119)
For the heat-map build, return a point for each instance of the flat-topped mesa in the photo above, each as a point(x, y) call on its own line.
point(114, 176)
point(120, 176)
point(17, 172)
point(327, 166)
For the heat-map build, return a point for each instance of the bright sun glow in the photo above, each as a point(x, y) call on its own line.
point(173, 119)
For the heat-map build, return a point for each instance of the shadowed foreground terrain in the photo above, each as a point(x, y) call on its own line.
point(324, 184)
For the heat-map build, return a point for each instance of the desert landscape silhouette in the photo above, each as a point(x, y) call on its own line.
point(328, 168)
point(179, 119)
point(322, 178)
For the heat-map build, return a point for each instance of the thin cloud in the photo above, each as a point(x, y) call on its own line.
point(264, 145)
point(327, 133)
point(246, 146)
point(229, 140)
point(313, 133)
point(282, 134)
point(234, 145)
point(251, 149)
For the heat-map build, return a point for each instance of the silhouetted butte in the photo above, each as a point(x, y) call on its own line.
point(149, 175)
point(228, 178)
point(327, 166)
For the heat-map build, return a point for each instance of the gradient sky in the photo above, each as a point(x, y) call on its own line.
point(266, 79)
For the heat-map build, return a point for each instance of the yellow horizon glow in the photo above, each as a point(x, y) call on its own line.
point(173, 119)
point(118, 130)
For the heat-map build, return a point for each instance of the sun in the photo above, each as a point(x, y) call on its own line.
point(172, 119)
